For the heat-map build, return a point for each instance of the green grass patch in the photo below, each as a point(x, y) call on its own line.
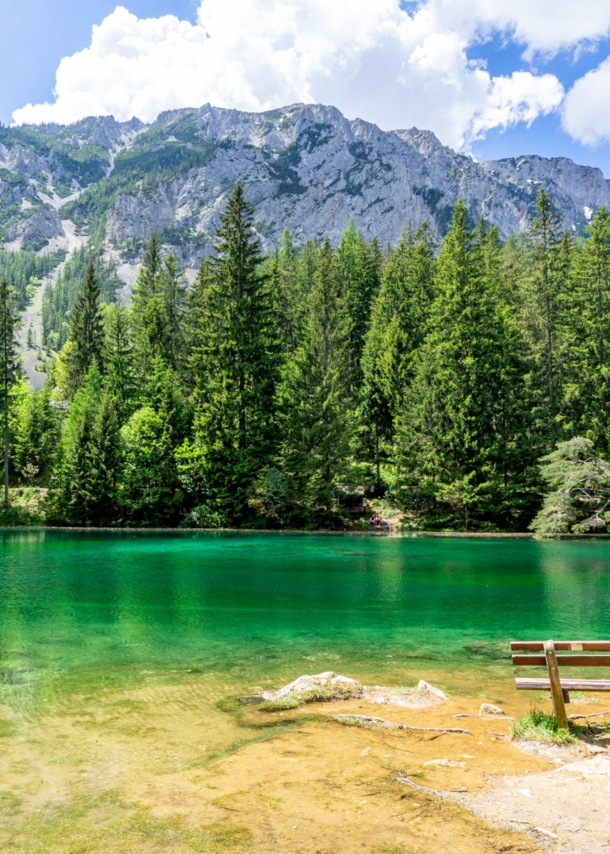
point(279, 705)
point(538, 726)
point(97, 824)
point(351, 721)
point(6, 728)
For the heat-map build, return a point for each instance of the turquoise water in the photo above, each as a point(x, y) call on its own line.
point(261, 608)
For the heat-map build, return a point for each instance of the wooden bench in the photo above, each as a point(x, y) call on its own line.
point(560, 688)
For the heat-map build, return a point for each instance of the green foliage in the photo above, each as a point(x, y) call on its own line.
point(60, 296)
point(462, 443)
point(86, 332)
point(537, 726)
point(90, 457)
point(235, 361)
point(23, 269)
point(316, 400)
point(580, 496)
point(277, 387)
point(10, 366)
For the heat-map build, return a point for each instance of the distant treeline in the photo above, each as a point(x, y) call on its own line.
point(27, 268)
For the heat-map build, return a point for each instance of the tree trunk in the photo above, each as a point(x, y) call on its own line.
point(377, 457)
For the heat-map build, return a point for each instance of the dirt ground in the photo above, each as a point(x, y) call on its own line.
point(137, 773)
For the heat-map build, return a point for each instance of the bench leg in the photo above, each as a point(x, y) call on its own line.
point(566, 695)
point(556, 690)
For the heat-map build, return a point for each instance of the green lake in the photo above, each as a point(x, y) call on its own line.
point(81, 609)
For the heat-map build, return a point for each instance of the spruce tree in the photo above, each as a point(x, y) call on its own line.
point(90, 460)
point(359, 278)
point(462, 414)
point(148, 310)
point(235, 360)
point(590, 334)
point(397, 329)
point(118, 359)
point(86, 331)
point(10, 366)
point(317, 417)
point(173, 289)
point(544, 286)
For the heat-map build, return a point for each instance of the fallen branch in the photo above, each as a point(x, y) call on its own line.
point(486, 717)
point(593, 715)
point(408, 782)
point(369, 719)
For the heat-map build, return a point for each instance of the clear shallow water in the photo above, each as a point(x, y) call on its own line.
point(258, 609)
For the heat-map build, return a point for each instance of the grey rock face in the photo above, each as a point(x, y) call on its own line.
point(39, 228)
point(305, 167)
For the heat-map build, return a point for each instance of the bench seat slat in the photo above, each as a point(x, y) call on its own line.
point(564, 646)
point(563, 660)
point(524, 684)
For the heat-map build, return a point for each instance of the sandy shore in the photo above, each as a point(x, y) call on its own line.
point(135, 771)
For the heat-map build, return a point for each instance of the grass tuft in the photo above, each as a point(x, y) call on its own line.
point(279, 705)
point(538, 726)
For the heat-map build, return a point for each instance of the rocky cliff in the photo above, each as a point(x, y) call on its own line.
point(305, 167)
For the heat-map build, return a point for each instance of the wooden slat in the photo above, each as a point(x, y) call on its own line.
point(565, 646)
point(563, 660)
point(524, 684)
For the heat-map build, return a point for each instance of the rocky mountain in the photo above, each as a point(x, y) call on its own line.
point(305, 167)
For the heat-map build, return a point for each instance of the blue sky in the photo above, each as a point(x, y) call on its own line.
point(36, 34)
point(491, 78)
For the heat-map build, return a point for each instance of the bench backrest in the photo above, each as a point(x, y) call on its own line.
point(529, 660)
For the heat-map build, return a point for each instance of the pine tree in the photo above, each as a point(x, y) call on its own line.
point(235, 360)
point(544, 286)
point(359, 278)
point(461, 416)
point(317, 421)
point(118, 359)
point(148, 311)
point(10, 366)
point(90, 459)
point(590, 334)
point(35, 442)
point(86, 331)
point(173, 288)
point(397, 329)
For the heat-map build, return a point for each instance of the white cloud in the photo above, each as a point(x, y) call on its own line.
point(586, 111)
point(372, 58)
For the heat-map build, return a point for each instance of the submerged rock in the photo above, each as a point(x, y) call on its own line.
point(324, 687)
point(321, 686)
point(430, 689)
point(489, 709)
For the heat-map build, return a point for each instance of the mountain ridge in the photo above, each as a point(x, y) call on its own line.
point(306, 167)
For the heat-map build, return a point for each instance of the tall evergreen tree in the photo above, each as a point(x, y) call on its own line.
point(315, 395)
point(90, 459)
point(173, 289)
point(235, 361)
point(544, 286)
point(458, 429)
point(118, 360)
point(86, 331)
point(590, 334)
point(359, 278)
point(148, 310)
point(397, 329)
point(10, 365)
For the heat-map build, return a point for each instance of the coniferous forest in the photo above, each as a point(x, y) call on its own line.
point(463, 381)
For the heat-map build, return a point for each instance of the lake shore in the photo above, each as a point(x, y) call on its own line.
point(373, 532)
point(176, 762)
